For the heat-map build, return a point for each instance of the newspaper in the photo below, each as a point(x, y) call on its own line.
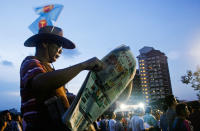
point(100, 89)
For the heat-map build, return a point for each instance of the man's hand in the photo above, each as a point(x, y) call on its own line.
point(93, 64)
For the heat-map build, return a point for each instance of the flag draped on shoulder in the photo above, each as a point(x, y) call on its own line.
point(47, 14)
point(39, 23)
point(51, 11)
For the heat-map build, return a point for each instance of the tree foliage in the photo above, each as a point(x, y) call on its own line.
point(193, 79)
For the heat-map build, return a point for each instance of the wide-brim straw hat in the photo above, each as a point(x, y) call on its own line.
point(49, 34)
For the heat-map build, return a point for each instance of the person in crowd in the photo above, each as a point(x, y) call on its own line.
point(96, 126)
point(195, 115)
point(103, 123)
point(125, 120)
point(6, 123)
point(39, 81)
point(171, 111)
point(16, 122)
point(180, 123)
point(119, 123)
point(129, 121)
point(98, 122)
point(2, 120)
point(112, 122)
point(137, 121)
point(163, 119)
point(157, 114)
point(130, 115)
point(149, 118)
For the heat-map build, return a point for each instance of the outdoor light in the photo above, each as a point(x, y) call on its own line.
point(123, 106)
point(141, 105)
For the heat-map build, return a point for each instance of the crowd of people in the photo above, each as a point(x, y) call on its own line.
point(173, 117)
point(10, 121)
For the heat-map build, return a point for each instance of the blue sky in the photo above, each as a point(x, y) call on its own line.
point(172, 26)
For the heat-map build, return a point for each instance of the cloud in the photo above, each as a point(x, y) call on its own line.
point(11, 93)
point(194, 49)
point(6, 63)
point(173, 55)
point(70, 53)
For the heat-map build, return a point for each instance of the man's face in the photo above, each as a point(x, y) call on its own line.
point(54, 52)
point(186, 112)
point(8, 116)
point(175, 101)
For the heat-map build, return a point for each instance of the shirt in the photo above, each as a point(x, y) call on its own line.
point(195, 119)
point(150, 119)
point(33, 109)
point(170, 114)
point(30, 68)
point(180, 124)
point(163, 122)
point(119, 126)
point(137, 123)
point(112, 124)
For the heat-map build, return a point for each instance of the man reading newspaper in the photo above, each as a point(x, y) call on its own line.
point(40, 82)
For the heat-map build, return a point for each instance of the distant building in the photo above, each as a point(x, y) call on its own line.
point(154, 74)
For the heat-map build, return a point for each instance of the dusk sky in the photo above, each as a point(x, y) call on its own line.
point(97, 27)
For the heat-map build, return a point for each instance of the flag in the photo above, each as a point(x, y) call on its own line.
point(39, 23)
point(51, 11)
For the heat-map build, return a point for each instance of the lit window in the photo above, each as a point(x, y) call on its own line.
point(143, 70)
point(144, 78)
point(147, 97)
point(146, 92)
point(142, 63)
point(145, 81)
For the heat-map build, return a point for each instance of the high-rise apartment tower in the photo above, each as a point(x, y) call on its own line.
point(154, 74)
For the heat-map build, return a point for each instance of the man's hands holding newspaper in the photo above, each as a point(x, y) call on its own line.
point(93, 64)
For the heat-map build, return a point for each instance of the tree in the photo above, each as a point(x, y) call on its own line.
point(193, 79)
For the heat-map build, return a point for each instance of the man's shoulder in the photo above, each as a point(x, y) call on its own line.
point(138, 118)
point(29, 60)
point(170, 112)
point(29, 65)
point(112, 120)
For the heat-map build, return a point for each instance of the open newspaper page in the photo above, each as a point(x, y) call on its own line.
point(100, 90)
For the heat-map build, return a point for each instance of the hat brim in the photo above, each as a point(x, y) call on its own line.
point(33, 40)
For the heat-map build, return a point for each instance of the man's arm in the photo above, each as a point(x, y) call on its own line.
point(55, 79)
